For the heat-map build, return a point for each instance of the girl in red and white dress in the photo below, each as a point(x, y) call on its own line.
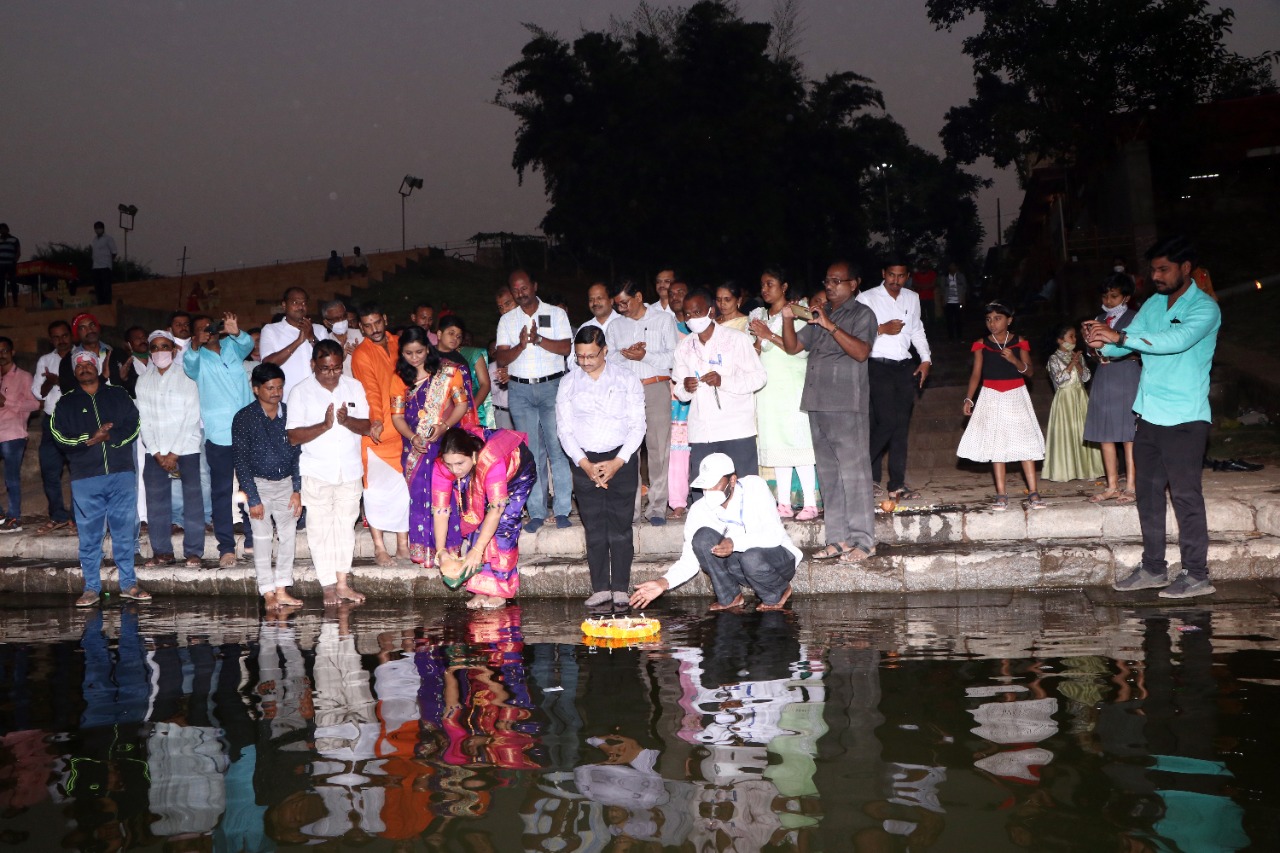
point(1003, 427)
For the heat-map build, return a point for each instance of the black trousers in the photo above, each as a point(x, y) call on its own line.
point(893, 396)
point(606, 520)
point(951, 311)
point(1171, 457)
point(102, 285)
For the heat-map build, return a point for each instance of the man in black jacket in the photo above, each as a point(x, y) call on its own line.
point(97, 424)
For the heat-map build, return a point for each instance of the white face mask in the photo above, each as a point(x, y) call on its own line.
point(1067, 346)
point(340, 327)
point(698, 325)
point(1118, 268)
point(162, 359)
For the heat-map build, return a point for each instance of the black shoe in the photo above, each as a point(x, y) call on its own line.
point(1188, 587)
point(1141, 579)
point(1238, 465)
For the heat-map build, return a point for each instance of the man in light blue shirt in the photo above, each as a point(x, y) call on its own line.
point(216, 364)
point(1176, 332)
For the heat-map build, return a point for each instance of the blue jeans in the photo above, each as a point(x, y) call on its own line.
point(158, 484)
point(102, 503)
point(11, 453)
point(533, 410)
point(52, 463)
point(222, 468)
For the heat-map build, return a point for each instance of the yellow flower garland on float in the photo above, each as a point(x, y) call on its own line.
point(626, 628)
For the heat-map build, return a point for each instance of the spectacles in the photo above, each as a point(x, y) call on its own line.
point(329, 370)
point(834, 280)
point(582, 356)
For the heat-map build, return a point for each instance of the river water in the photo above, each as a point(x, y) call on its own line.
point(864, 723)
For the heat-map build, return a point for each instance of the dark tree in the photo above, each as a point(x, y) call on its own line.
point(691, 136)
point(1055, 80)
point(81, 257)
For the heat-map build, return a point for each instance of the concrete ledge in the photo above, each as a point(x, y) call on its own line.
point(1238, 506)
point(1025, 565)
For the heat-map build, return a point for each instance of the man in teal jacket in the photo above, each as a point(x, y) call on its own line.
point(216, 363)
point(1176, 331)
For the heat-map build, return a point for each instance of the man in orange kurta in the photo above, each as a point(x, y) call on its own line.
point(386, 495)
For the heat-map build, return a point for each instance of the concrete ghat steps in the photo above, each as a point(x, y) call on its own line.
point(999, 565)
point(1068, 519)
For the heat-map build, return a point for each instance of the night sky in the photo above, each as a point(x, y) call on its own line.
point(253, 131)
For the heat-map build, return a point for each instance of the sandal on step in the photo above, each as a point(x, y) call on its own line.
point(50, 526)
point(905, 494)
point(831, 552)
point(1108, 495)
point(159, 560)
point(1126, 497)
point(1000, 504)
point(855, 556)
point(1034, 501)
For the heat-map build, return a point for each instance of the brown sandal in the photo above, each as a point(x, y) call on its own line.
point(159, 560)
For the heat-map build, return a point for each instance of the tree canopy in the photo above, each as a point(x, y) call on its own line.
point(1055, 79)
point(691, 136)
point(80, 256)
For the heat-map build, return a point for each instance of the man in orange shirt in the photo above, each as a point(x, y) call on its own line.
point(386, 495)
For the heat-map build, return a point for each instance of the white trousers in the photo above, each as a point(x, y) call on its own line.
point(275, 496)
point(386, 500)
point(332, 510)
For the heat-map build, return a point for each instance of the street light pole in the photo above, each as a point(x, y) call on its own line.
point(127, 212)
point(407, 186)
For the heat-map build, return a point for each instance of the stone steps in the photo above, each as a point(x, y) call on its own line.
point(996, 565)
point(1068, 518)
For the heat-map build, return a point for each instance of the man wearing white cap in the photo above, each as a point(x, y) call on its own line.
point(734, 535)
point(169, 408)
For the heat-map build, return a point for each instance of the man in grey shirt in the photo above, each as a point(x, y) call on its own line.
point(836, 395)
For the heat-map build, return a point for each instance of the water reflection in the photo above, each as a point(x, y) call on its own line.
point(735, 732)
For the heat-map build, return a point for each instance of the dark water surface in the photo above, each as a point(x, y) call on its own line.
point(954, 722)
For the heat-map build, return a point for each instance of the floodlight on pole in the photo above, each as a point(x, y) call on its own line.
point(127, 213)
point(407, 186)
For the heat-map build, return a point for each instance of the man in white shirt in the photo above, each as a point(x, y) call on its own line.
point(601, 308)
point(103, 249)
point(954, 290)
point(532, 343)
point(333, 315)
point(719, 371)
point(600, 418)
point(171, 435)
point(734, 535)
point(892, 377)
point(44, 384)
point(646, 338)
point(327, 413)
point(288, 343)
point(662, 284)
